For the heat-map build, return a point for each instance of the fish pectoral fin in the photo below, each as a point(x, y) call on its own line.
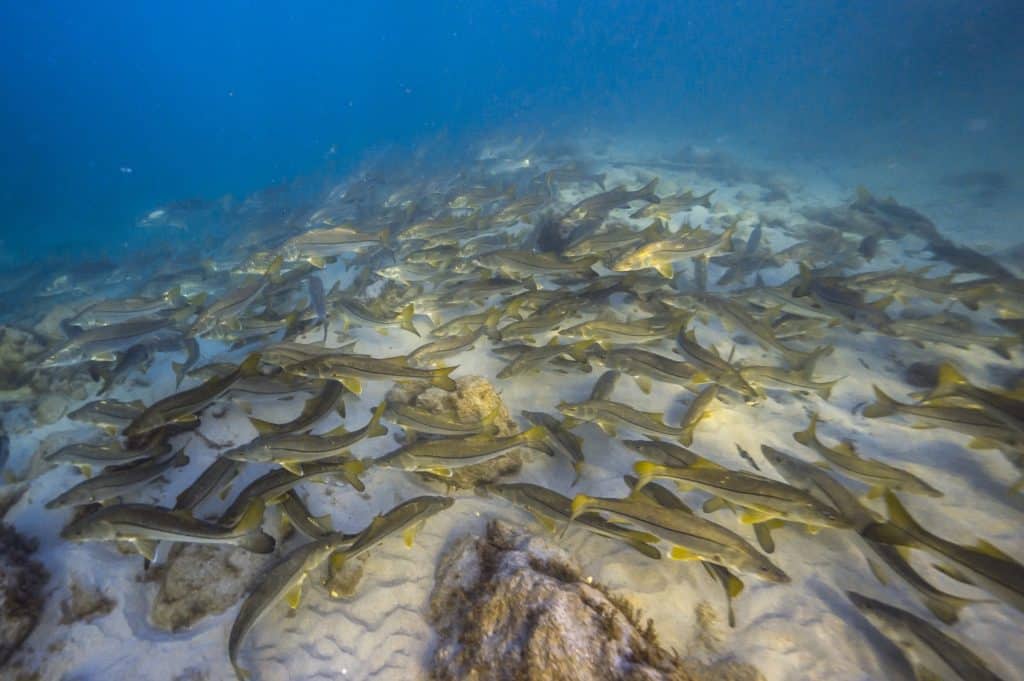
point(441, 472)
point(679, 553)
point(811, 529)
point(922, 673)
point(86, 469)
point(982, 443)
point(641, 537)
point(352, 385)
point(764, 537)
point(292, 467)
point(409, 535)
point(876, 492)
point(608, 428)
point(665, 269)
point(146, 547)
point(644, 383)
point(224, 493)
point(294, 596)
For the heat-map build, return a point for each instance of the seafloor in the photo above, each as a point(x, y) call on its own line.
point(803, 630)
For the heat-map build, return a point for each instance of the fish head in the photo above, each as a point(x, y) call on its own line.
point(762, 568)
point(88, 529)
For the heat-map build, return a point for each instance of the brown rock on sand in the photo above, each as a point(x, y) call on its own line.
point(509, 607)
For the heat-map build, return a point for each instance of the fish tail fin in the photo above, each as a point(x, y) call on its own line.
point(645, 471)
point(442, 379)
point(945, 607)
point(257, 542)
point(374, 428)
point(252, 516)
point(725, 242)
point(273, 272)
point(899, 516)
point(705, 200)
point(882, 406)
point(579, 350)
point(948, 380)
point(809, 434)
point(647, 191)
point(405, 319)
point(351, 472)
point(490, 325)
point(539, 436)
point(251, 365)
point(579, 505)
point(599, 180)
point(263, 427)
point(179, 372)
point(1003, 345)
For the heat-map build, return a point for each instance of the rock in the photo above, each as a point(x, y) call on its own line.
point(21, 590)
point(50, 408)
point(85, 604)
point(17, 348)
point(510, 606)
point(202, 579)
point(474, 397)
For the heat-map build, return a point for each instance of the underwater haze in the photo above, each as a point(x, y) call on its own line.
point(542, 340)
point(114, 109)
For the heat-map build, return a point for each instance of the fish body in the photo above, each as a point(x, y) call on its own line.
point(112, 484)
point(931, 653)
point(608, 415)
point(440, 457)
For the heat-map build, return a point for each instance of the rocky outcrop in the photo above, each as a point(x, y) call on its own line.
point(474, 398)
point(21, 590)
point(509, 606)
point(202, 579)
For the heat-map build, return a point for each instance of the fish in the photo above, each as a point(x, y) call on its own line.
point(182, 407)
point(216, 477)
point(273, 484)
point(440, 457)
point(931, 653)
point(87, 454)
point(549, 507)
point(142, 525)
point(512, 262)
point(406, 518)
point(733, 315)
point(709, 363)
point(644, 366)
point(181, 369)
point(532, 358)
point(235, 302)
point(349, 369)
point(290, 450)
point(318, 301)
point(1004, 407)
point(110, 484)
point(690, 537)
point(944, 606)
point(660, 255)
point(316, 408)
point(984, 429)
point(796, 380)
point(353, 309)
point(881, 476)
point(612, 239)
point(454, 344)
point(697, 411)
point(982, 565)
point(296, 513)
point(667, 206)
point(604, 386)
point(138, 356)
point(102, 342)
point(562, 440)
point(636, 331)
point(765, 499)
point(731, 584)
point(316, 246)
point(284, 580)
point(607, 415)
point(423, 421)
point(938, 330)
point(668, 453)
point(597, 207)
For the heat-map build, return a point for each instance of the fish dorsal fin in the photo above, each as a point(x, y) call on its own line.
point(294, 596)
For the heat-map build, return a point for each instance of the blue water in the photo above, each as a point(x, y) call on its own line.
point(111, 109)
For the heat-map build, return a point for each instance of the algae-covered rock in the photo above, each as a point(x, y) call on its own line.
point(21, 590)
point(17, 348)
point(474, 398)
point(85, 603)
point(202, 579)
point(510, 606)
